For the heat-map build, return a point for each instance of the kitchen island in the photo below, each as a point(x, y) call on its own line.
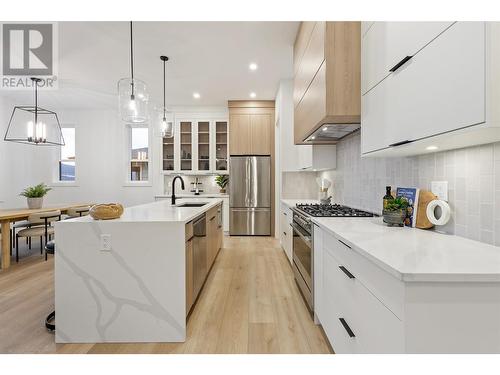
point(133, 279)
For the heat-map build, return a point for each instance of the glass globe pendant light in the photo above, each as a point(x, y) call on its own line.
point(132, 93)
point(34, 125)
point(164, 116)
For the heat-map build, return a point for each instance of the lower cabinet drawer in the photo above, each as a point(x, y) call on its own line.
point(380, 283)
point(356, 321)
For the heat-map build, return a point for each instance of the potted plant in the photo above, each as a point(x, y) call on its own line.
point(35, 194)
point(222, 181)
point(395, 212)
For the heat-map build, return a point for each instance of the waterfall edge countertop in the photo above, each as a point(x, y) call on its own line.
point(124, 280)
point(414, 255)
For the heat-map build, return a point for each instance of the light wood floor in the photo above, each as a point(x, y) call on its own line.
point(249, 304)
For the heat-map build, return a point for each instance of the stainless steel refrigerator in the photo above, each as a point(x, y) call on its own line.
point(250, 196)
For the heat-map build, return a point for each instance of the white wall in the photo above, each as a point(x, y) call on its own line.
point(100, 161)
point(20, 165)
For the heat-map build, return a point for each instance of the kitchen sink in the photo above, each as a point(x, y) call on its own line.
point(192, 204)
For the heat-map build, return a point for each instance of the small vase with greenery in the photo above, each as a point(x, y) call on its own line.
point(35, 194)
point(395, 212)
point(222, 180)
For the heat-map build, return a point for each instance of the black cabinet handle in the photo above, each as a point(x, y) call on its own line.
point(284, 233)
point(211, 219)
point(343, 243)
point(400, 64)
point(400, 143)
point(284, 213)
point(347, 328)
point(346, 271)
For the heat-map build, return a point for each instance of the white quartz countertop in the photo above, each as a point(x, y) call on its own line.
point(412, 254)
point(161, 211)
point(293, 202)
point(202, 195)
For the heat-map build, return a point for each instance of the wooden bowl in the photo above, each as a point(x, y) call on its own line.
point(106, 211)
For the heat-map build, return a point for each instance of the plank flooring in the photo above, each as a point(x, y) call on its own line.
point(249, 304)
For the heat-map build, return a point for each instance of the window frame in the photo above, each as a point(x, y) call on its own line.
point(56, 180)
point(128, 156)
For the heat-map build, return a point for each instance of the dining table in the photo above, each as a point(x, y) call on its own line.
point(10, 215)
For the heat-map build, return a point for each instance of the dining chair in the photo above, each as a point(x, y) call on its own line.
point(41, 226)
point(73, 212)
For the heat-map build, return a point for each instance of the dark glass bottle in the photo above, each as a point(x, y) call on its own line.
point(388, 196)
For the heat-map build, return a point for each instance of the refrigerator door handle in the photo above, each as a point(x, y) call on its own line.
point(247, 182)
point(252, 187)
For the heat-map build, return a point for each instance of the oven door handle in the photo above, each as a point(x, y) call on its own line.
point(304, 238)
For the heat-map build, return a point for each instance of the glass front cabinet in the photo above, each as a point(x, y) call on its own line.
point(198, 146)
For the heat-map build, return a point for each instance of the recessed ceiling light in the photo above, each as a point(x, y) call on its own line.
point(253, 66)
point(431, 148)
point(253, 95)
point(196, 95)
point(325, 128)
point(313, 138)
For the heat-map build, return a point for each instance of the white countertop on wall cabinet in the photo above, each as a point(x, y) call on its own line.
point(293, 202)
point(415, 255)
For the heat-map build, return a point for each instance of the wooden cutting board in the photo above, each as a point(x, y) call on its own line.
point(424, 198)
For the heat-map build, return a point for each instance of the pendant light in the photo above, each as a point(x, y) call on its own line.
point(34, 125)
point(132, 93)
point(164, 116)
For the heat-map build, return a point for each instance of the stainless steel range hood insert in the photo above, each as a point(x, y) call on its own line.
point(332, 132)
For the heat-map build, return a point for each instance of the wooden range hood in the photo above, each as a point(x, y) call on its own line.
point(327, 81)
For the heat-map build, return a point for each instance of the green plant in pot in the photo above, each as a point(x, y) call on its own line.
point(395, 212)
point(222, 181)
point(35, 194)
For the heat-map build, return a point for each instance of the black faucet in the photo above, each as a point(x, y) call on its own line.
point(173, 187)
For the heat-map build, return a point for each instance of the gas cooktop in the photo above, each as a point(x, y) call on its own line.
point(331, 210)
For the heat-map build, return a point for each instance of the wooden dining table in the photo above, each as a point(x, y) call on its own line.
point(9, 215)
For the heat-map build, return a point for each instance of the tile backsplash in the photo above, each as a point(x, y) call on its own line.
point(473, 176)
point(299, 185)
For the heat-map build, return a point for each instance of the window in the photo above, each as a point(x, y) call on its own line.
point(67, 158)
point(139, 154)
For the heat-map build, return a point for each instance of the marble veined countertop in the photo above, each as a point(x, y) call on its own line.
point(412, 254)
point(161, 211)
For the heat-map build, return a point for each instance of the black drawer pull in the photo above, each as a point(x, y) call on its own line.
point(212, 218)
point(343, 243)
point(347, 328)
point(346, 271)
point(284, 233)
point(400, 64)
point(400, 143)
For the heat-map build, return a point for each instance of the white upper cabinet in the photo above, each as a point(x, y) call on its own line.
point(199, 146)
point(434, 97)
point(385, 44)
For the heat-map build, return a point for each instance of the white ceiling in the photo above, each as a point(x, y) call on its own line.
point(211, 58)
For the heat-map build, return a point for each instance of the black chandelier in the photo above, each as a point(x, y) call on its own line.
point(34, 125)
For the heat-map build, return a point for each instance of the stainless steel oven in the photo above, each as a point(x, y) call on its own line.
point(303, 255)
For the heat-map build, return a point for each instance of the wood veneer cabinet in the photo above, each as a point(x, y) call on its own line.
point(251, 126)
point(327, 76)
point(189, 268)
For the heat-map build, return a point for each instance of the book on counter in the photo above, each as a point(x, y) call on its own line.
point(411, 194)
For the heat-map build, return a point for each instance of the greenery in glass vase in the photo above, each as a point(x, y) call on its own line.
point(37, 191)
point(222, 180)
point(398, 203)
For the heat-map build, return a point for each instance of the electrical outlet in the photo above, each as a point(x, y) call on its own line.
point(105, 242)
point(440, 189)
